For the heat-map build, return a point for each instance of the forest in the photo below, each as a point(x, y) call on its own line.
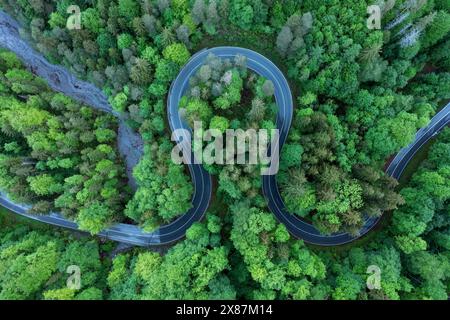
point(360, 95)
point(56, 153)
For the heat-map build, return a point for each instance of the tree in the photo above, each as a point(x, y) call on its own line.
point(167, 37)
point(56, 20)
point(268, 88)
point(119, 102)
point(141, 72)
point(59, 294)
point(146, 265)
point(348, 286)
point(442, 4)
point(204, 73)
point(25, 274)
point(86, 256)
point(437, 29)
point(90, 19)
point(257, 111)
point(291, 155)
point(183, 32)
point(199, 11)
point(128, 9)
point(124, 41)
point(198, 110)
point(90, 294)
point(118, 271)
point(432, 269)
point(284, 40)
point(298, 194)
point(44, 185)
point(94, 217)
point(410, 244)
point(391, 134)
point(212, 17)
point(150, 54)
point(241, 14)
point(177, 53)
point(166, 277)
point(219, 123)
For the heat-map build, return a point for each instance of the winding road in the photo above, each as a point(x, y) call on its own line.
point(307, 232)
point(61, 80)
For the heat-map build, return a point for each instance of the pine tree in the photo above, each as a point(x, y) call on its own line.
point(437, 30)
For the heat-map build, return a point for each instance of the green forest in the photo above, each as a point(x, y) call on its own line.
point(360, 95)
point(247, 255)
point(57, 154)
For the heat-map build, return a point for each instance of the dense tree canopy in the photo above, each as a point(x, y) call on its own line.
point(360, 95)
point(34, 265)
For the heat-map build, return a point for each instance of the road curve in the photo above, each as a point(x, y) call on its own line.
point(202, 180)
point(60, 79)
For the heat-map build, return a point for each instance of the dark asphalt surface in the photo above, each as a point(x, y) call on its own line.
point(202, 180)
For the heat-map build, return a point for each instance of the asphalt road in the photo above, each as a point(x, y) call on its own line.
point(202, 180)
point(307, 232)
point(60, 79)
